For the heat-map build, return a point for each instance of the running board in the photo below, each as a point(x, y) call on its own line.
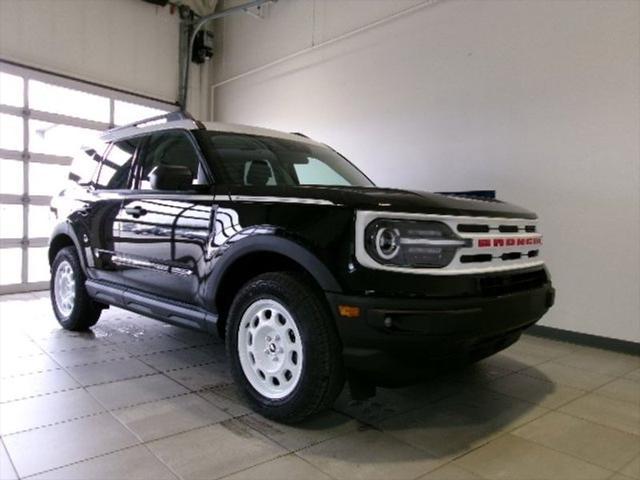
point(169, 311)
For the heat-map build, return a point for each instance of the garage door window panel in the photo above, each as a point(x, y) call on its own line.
point(11, 132)
point(11, 261)
point(11, 90)
point(11, 173)
point(58, 139)
point(67, 101)
point(11, 222)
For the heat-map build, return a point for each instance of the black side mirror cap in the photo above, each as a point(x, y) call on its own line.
point(171, 177)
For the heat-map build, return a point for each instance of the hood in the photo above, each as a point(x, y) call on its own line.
point(395, 200)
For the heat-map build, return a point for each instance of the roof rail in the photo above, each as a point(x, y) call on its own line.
point(169, 117)
point(300, 134)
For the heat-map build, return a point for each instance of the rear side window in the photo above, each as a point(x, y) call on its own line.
point(170, 148)
point(85, 164)
point(115, 170)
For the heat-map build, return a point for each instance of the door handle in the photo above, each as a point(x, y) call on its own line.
point(136, 211)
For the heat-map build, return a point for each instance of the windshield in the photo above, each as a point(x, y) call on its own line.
point(256, 160)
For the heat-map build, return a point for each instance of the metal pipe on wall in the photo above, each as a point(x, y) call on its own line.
point(193, 29)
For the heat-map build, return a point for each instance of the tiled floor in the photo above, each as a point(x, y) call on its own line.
point(139, 399)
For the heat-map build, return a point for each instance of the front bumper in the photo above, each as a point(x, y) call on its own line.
point(396, 339)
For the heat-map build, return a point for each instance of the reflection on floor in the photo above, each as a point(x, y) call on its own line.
point(139, 399)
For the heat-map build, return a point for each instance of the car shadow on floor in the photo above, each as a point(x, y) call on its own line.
point(449, 414)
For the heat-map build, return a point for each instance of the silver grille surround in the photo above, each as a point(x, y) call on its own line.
point(457, 267)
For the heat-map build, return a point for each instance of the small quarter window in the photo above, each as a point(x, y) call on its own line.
point(84, 167)
point(115, 170)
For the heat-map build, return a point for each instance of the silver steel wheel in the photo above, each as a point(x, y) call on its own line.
point(64, 285)
point(270, 349)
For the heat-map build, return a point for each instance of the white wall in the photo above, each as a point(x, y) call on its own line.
point(126, 44)
point(536, 99)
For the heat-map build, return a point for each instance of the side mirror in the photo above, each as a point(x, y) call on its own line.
point(171, 177)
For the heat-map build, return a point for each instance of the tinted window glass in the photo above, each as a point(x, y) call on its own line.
point(115, 170)
point(316, 172)
point(85, 164)
point(170, 148)
point(258, 160)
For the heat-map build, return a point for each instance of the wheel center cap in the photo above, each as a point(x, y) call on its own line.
point(272, 348)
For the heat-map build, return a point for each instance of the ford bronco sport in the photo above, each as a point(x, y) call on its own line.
point(277, 242)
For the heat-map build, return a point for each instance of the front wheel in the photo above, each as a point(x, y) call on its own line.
point(73, 307)
point(284, 348)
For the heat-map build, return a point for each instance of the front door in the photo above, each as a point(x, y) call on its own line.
point(163, 235)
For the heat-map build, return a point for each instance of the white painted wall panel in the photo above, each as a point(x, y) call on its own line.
point(537, 99)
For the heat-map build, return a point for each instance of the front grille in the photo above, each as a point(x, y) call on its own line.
point(473, 228)
point(497, 244)
point(482, 228)
point(516, 282)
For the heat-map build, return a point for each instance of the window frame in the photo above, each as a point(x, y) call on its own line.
point(140, 153)
point(105, 158)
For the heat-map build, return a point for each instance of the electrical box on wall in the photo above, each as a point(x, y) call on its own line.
point(202, 47)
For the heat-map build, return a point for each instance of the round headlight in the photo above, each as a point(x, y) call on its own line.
point(387, 242)
point(411, 243)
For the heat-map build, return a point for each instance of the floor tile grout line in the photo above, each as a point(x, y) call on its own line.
point(92, 457)
point(11, 463)
point(294, 450)
point(135, 436)
point(140, 441)
point(162, 462)
point(558, 408)
point(628, 463)
point(39, 395)
point(117, 409)
point(574, 415)
point(595, 390)
point(570, 454)
point(66, 370)
point(512, 430)
point(26, 374)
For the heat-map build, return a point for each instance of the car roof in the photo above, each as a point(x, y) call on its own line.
point(161, 124)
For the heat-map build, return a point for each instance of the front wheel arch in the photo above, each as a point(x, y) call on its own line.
point(258, 255)
point(249, 266)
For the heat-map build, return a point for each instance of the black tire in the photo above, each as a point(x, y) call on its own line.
point(322, 376)
point(85, 311)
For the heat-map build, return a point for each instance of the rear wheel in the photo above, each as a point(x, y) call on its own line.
point(284, 348)
point(73, 307)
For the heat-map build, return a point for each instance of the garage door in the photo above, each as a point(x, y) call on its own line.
point(44, 119)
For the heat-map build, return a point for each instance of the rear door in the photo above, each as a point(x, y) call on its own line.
point(164, 234)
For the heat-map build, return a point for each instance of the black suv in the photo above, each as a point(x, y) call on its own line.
point(277, 242)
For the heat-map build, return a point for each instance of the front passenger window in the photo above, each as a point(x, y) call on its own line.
point(170, 149)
